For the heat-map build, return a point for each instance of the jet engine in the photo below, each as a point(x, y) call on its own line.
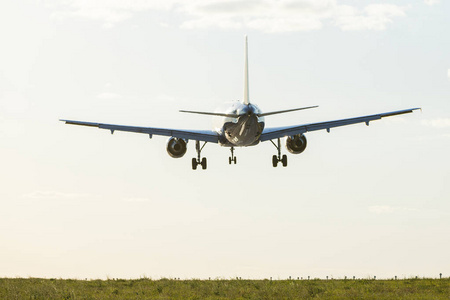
point(296, 144)
point(176, 147)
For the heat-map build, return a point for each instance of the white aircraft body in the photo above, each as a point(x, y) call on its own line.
point(242, 125)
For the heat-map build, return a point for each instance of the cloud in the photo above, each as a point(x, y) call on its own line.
point(39, 195)
point(286, 16)
point(448, 73)
point(437, 123)
point(108, 96)
point(270, 16)
point(431, 2)
point(386, 209)
point(109, 12)
point(372, 17)
point(381, 209)
point(137, 199)
point(266, 16)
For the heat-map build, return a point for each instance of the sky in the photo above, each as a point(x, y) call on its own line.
point(78, 202)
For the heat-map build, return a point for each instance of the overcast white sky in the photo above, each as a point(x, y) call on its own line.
point(361, 201)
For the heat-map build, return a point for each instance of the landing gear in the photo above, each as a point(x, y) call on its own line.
point(274, 161)
point(203, 163)
point(199, 161)
point(278, 158)
point(232, 158)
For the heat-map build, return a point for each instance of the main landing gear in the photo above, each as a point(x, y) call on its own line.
point(232, 158)
point(199, 161)
point(278, 158)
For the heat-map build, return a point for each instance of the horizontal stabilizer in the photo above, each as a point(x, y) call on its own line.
point(285, 111)
point(211, 114)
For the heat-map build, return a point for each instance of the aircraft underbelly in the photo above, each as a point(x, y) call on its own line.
point(245, 132)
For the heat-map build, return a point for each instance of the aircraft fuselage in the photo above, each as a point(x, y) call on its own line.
point(244, 130)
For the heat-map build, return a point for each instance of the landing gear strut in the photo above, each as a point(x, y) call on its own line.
point(199, 161)
point(278, 158)
point(232, 158)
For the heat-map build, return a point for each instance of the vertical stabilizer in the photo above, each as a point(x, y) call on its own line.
point(246, 95)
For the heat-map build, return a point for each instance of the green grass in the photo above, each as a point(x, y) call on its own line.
point(35, 288)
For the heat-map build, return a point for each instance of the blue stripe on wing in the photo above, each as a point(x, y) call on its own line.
point(199, 135)
point(273, 133)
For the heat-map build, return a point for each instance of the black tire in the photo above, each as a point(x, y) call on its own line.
point(274, 161)
point(229, 160)
point(235, 160)
point(194, 164)
point(284, 160)
point(204, 163)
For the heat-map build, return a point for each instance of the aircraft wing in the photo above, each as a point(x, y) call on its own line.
point(273, 133)
point(198, 135)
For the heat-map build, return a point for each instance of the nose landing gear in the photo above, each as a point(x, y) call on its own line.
point(199, 161)
point(278, 158)
point(232, 158)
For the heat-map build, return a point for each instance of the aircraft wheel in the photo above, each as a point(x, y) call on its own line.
point(235, 160)
point(229, 160)
point(274, 161)
point(284, 160)
point(194, 164)
point(204, 163)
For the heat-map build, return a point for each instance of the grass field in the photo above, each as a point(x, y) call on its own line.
point(35, 288)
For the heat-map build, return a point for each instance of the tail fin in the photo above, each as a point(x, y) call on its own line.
point(246, 94)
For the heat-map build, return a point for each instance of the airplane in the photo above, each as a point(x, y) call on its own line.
point(242, 125)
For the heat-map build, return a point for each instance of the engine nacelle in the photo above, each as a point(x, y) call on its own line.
point(176, 147)
point(296, 144)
